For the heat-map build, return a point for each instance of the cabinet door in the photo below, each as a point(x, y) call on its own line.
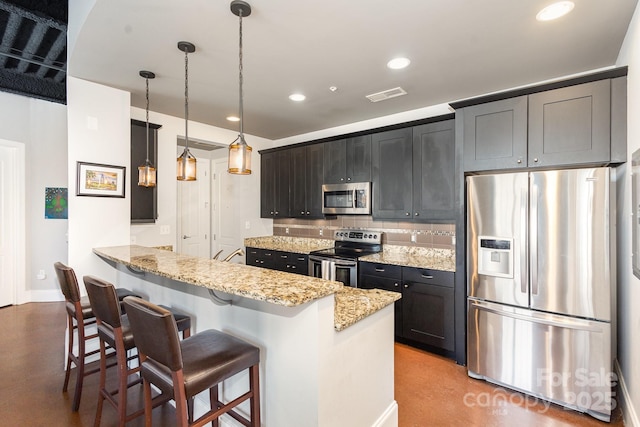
point(298, 182)
point(434, 171)
point(391, 172)
point(282, 203)
point(358, 155)
point(335, 162)
point(427, 314)
point(570, 125)
point(260, 257)
point(314, 178)
point(495, 135)
point(267, 184)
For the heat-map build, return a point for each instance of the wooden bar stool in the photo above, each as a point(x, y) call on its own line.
point(182, 369)
point(79, 316)
point(114, 332)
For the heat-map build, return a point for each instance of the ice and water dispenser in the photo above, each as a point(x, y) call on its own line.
point(495, 256)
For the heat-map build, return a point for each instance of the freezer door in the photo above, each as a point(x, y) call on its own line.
point(570, 260)
point(497, 210)
point(557, 358)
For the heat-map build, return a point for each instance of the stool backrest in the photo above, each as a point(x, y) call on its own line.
point(155, 332)
point(104, 301)
point(68, 282)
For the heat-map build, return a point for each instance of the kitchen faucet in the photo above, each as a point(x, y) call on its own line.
point(238, 251)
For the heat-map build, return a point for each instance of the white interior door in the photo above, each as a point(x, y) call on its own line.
point(226, 222)
point(194, 213)
point(11, 222)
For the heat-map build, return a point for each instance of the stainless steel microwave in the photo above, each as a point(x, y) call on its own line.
point(349, 199)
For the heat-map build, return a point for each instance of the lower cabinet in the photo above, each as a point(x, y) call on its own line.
point(425, 314)
point(278, 260)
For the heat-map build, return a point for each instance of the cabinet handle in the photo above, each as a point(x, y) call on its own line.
point(341, 179)
point(395, 284)
point(302, 213)
point(301, 259)
point(427, 276)
point(535, 160)
point(416, 214)
point(271, 213)
point(519, 161)
point(407, 214)
point(284, 256)
point(276, 212)
point(406, 286)
point(348, 179)
point(379, 270)
point(293, 267)
point(268, 254)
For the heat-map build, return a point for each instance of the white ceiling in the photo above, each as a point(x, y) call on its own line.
point(458, 48)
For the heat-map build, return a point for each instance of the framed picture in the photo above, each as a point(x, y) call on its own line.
point(100, 180)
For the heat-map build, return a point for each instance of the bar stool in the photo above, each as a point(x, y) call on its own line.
point(114, 331)
point(182, 369)
point(79, 316)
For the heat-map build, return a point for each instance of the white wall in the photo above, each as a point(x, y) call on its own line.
point(628, 284)
point(246, 188)
point(99, 131)
point(42, 127)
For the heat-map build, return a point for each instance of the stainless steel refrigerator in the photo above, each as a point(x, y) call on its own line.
point(541, 285)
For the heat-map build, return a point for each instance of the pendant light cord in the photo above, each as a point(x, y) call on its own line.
point(147, 158)
point(186, 99)
point(241, 80)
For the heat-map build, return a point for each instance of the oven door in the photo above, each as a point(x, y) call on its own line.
point(340, 270)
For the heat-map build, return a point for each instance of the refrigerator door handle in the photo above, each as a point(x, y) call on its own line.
point(546, 319)
point(524, 274)
point(534, 241)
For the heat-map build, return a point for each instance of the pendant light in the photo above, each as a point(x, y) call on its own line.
point(186, 163)
point(146, 172)
point(239, 151)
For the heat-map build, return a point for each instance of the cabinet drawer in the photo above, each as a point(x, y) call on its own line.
point(380, 270)
point(292, 262)
point(377, 282)
point(428, 276)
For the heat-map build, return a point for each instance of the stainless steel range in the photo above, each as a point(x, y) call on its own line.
point(340, 263)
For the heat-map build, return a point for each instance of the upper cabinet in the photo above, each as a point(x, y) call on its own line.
point(306, 181)
point(391, 172)
point(347, 160)
point(559, 127)
point(275, 175)
point(413, 171)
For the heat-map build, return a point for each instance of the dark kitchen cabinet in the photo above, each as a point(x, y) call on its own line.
point(571, 125)
point(386, 277)
point(559, 127)
point(434, 171)
point(347, 160)
point(275, 177)
point(495, 135)
point(428, 307)
point(278, 260)
point(306, 181)
point(425, 314)
point(292, 262)
point(257, 257)
point(391, 172)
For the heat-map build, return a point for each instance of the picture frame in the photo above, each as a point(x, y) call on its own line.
point(99, 180)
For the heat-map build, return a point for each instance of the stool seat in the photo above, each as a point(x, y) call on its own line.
point(182, 369)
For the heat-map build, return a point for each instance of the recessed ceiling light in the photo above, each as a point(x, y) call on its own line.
point(233, 119)
point(398, 63)
point(555, 11)
point(297, 97)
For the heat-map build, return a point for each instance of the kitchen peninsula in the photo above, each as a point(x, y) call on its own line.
point(326, 350)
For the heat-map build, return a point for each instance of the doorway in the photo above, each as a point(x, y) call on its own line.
point(12, 222)
point(194, 212)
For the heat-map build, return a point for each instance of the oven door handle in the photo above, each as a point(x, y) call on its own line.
point(345, 263)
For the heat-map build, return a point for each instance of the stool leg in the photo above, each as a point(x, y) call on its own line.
point(80, 367)
point(69, 352)
point(146, 386)
point(103, 380)
point(254, 374)
point(213, 401)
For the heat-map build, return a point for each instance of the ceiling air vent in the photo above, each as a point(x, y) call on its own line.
point(386, 94)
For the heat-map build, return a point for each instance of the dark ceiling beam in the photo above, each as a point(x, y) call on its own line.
point(56, 49)
point(28, 85)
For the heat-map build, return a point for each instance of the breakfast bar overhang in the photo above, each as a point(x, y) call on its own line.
point(327, 351)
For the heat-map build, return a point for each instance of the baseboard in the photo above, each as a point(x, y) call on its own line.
point(629, 414)
point(41, 296)
point(389, 417)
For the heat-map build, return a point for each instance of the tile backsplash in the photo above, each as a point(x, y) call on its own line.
point(437, 236)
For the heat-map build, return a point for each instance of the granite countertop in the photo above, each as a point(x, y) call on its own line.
point(276, 287)
point(299, 245)
point(408, 256)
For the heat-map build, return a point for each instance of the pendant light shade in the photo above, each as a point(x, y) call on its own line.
point(146, 172)
point(239, 150)
point(186, 163)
